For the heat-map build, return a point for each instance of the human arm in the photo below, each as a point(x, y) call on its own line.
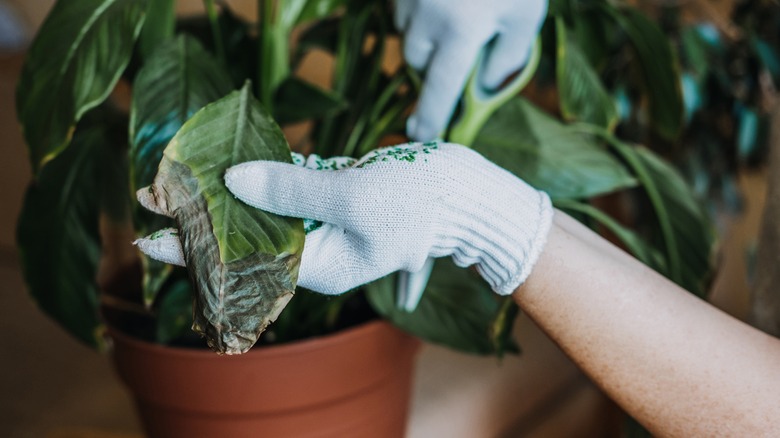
point(678, 365)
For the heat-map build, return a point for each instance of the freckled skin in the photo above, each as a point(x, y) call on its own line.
point(678, 365)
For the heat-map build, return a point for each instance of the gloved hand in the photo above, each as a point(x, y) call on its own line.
point(393, 209)
point(444, 38)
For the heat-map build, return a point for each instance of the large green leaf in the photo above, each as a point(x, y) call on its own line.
point(549, 155)
point(593, 32)
point(582, 95)
point(659, 67)
point(159, 26)
point(458, 309)
point(689, 235)
point(60, 257)
point(686, 229)
point(243, 262)
point(73, 64)
point(179, 78)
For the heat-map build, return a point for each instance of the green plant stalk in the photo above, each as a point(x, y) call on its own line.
point(339, 82)
point(642, 174)
point(383, 125)
point(274, 56)
point(216, 31)
point(372, 82)
point(590, 211)
point(478, 107)
point(348, 49)
point(333, 310)
point(369, 117)
point(264, 20)
point(159, 26)
point(355, 135)
point(504, 314)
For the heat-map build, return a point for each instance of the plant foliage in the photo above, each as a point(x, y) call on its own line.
point(613, 70)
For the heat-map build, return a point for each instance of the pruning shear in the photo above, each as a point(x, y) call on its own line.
point(478, 105)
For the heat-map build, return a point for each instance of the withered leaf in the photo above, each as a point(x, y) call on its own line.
point(243, 262)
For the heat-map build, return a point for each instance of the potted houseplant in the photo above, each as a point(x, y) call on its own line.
point(89, 153)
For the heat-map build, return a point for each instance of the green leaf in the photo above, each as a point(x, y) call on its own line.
point(179, 78)
point(687, 231)
point(659, 67)
point(298, 100)
point(592, 30)
point(116, 202)
point(642, 250)
point(458, 310)
point(60, 257)
point(294, 12)
point(243, 262)
point(240, 47)
point(174, 313)
point(159, 26)
point(582, 95)
point(768, 55)
point(318, 9)
point(73, 64)
point(155, 274)
point(548, 154)
point(695, 52)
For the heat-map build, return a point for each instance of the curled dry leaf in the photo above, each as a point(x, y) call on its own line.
point(243, 262)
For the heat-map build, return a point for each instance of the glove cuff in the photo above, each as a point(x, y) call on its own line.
point(534, 250)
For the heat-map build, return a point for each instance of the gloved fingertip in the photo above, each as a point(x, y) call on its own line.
point(422, 130)
point(238, 179)
point(147, 198)
point(163, 245)
point(411, 126)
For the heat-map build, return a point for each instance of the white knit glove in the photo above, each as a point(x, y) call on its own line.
point(393, 209)
point(445, 37)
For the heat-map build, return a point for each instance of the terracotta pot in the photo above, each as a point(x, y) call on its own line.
point(355, 383)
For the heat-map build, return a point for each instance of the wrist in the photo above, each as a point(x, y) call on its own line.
point(501, 231)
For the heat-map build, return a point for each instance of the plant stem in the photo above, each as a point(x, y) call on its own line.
point(265, 10)
point(502, 323)
point(383, 125)
point(216, 31)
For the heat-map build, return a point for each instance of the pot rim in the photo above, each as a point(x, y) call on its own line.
point(295, 347)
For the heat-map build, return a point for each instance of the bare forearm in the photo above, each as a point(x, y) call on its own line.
point(675, 363)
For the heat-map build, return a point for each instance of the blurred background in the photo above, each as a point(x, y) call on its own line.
point(53, 386)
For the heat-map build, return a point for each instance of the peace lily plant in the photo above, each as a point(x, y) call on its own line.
point(212, 89)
